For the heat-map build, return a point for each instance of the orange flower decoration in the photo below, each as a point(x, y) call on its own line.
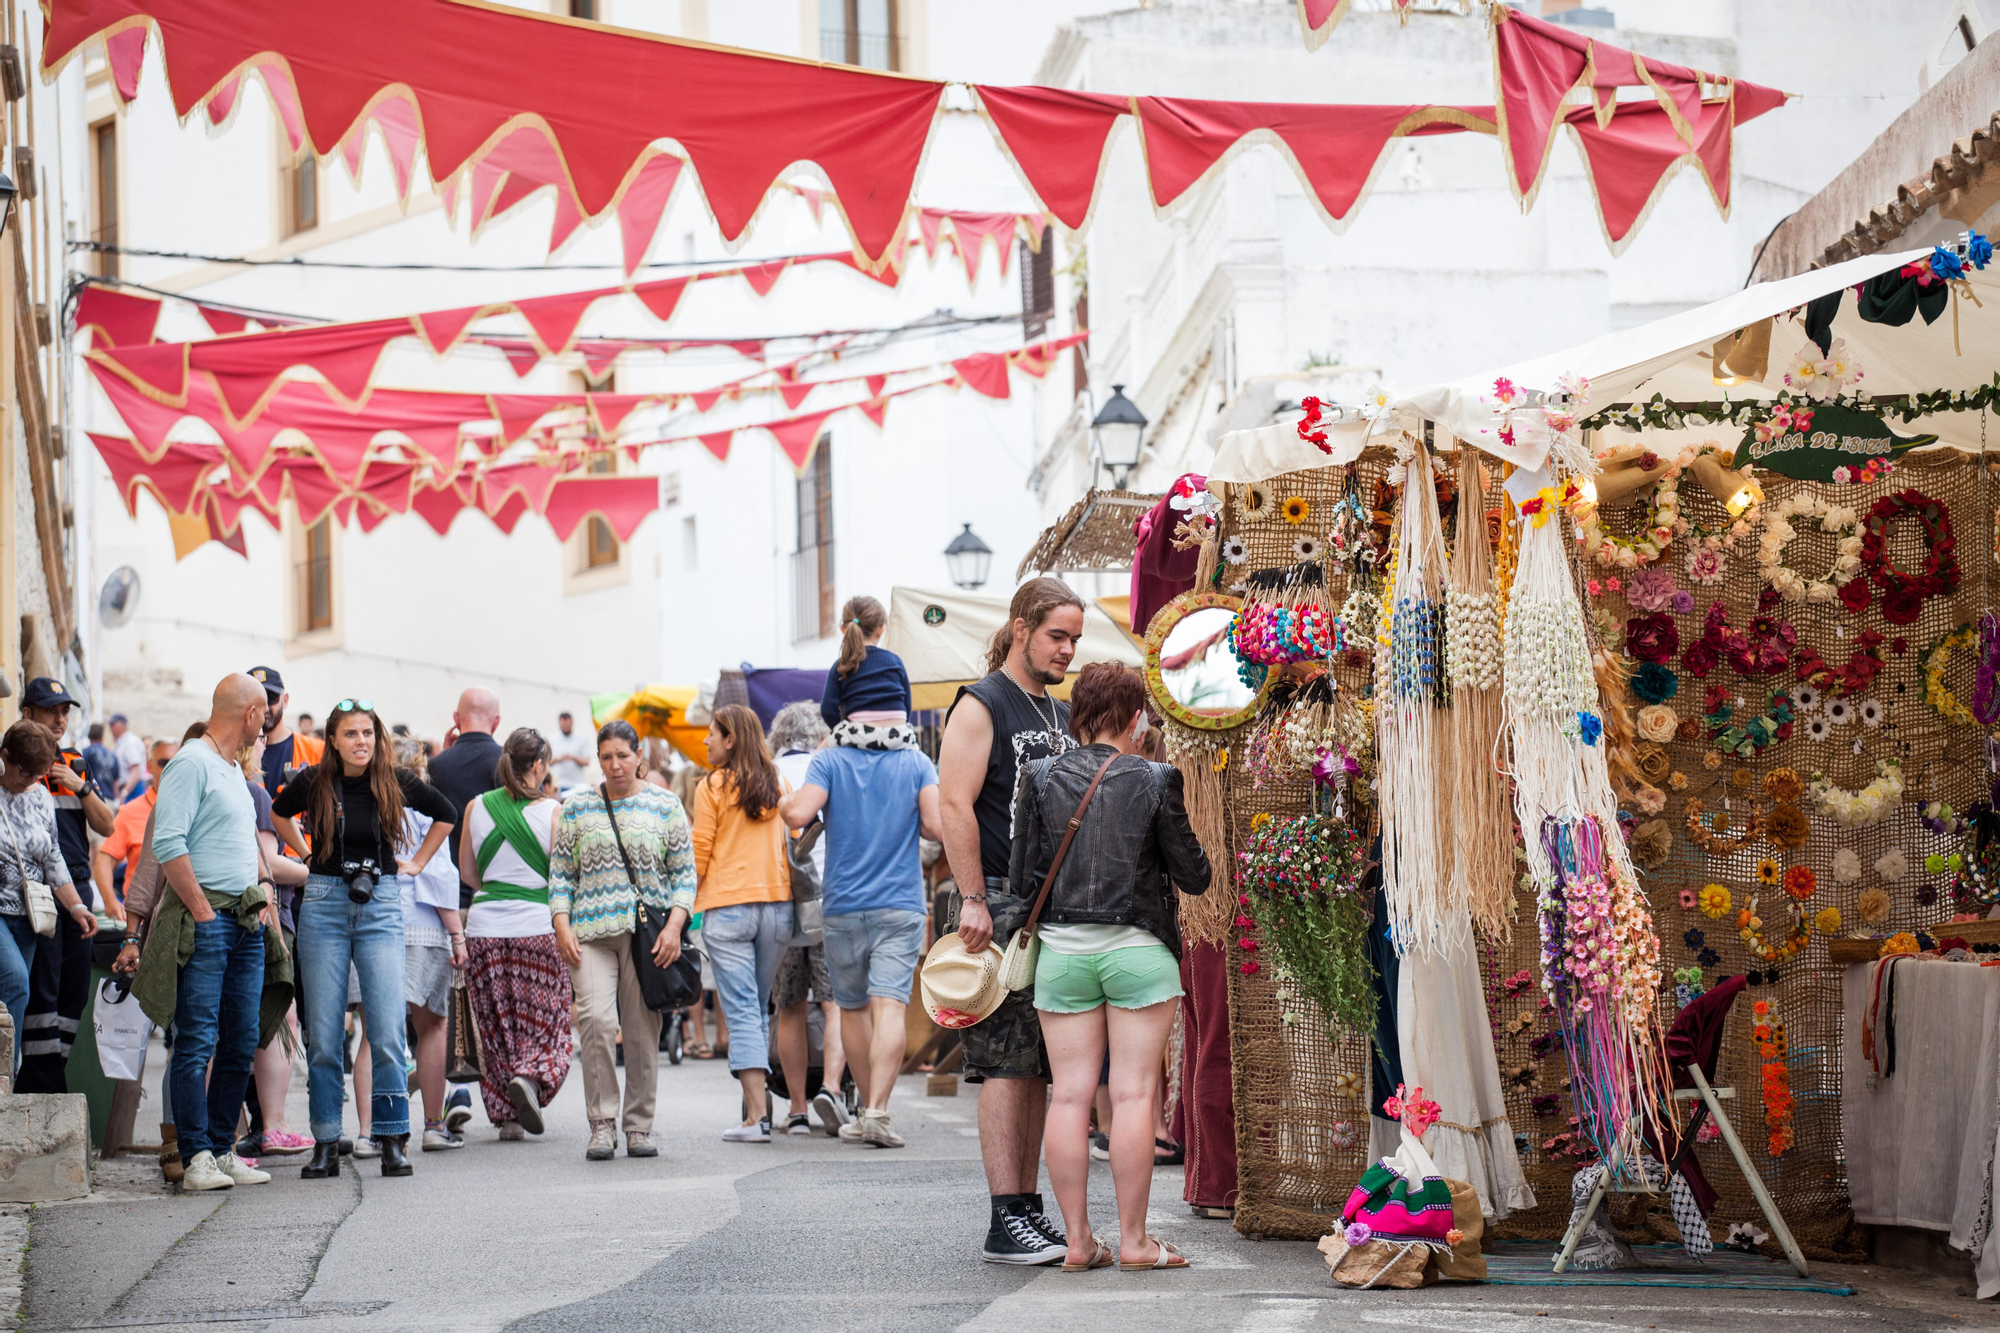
point(1761, 1008)
point(1800, 882)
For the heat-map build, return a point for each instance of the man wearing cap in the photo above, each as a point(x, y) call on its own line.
point(129, 752)
point(59, 974)
point(284, 749)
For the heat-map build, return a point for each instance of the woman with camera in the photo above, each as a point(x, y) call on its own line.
point(28, 828)
point(515, 976)
point(618, 845)
point(351, 912)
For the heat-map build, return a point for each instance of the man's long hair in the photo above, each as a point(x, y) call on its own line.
point(382, 781)
point(1033, 601)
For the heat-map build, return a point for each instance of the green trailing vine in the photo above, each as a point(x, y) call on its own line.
point(1659, 413)
point(1298, 890)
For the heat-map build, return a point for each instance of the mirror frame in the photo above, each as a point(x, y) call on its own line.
point(1162, 625)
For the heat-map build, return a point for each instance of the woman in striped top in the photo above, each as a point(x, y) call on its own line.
point(598, 872)
point(515, 976)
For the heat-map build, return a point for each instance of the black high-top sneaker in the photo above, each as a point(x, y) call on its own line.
point(1045, 1224)
point(1014, 1238)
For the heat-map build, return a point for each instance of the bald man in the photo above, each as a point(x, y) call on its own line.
point(210, 931)
point(465, 771)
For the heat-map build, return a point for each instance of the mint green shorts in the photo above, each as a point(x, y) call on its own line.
point(1130, 978)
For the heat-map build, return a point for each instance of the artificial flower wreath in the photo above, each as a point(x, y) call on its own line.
point(1904, 593)
point(1712, 839)
point(1864, 808)
point(1778, 530)
point(1656, 532)
point(1936, 659)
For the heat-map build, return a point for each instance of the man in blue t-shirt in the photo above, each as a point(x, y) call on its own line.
point(877, 804)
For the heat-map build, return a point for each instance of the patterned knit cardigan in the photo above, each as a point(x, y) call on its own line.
point(587, 878)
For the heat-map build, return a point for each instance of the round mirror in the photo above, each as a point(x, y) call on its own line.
point(1192, 670)
point(118, 599)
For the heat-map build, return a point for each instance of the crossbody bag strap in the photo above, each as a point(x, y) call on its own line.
point(1048, 880)
point(611, 813)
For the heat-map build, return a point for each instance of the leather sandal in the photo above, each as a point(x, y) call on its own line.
point(1102, 1258)
point(1168, 1257)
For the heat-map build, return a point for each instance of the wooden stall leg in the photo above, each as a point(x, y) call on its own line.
point(1771, 1213)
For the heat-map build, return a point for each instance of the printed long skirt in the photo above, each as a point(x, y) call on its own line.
point(521, 1001)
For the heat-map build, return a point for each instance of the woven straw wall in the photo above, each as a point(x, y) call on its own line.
point(1290, 1117)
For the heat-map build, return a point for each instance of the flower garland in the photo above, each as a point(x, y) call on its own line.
point(1863, 665)
point(1986, 685)
point(1936, 658)
point(1662, 523)
point(1751, 738)
point(1864, 808)
point(1764, 649)
point(1903, 593)
point(1778, 530)
point(1750, 927)
point(1297, 887)
point(1776, 1077)
point(1710, 840)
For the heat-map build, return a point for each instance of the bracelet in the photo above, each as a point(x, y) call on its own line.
point(972, 898)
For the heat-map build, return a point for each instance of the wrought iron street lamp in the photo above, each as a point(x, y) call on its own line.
point(1118, 430)
point(968, 559)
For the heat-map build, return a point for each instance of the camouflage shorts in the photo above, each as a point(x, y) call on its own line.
point(801, 976)
point(1008, 1043)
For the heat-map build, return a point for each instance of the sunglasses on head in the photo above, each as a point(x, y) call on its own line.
point(354, 706)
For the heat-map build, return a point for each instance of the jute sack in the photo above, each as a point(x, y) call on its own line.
point(1463, 1262)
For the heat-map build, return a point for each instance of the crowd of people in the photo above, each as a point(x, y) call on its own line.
point(275, 887)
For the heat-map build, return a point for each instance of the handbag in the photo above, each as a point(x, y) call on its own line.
point(1017, 965)
point(37, 896)
point(122, 1030)
point(461, 1036)
point(808, 907)
point(668, 988)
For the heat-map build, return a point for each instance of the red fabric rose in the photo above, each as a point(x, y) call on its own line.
point(1652, 638)
point(1855, 595)
point(1902, 606)
point(1700, 658)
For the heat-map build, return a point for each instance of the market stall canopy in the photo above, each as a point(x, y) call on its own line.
point(1955, 351)
point(1096, 533)
point(941, 635)
point(656, 712)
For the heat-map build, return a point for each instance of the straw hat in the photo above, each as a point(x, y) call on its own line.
point(961, 987)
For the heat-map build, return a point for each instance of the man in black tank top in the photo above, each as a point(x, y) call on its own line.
point(996, 725)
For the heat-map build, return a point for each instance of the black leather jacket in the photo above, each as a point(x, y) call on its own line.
point(1134, 838)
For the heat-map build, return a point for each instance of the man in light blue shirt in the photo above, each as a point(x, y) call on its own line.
point(877, 803)
point(205, 836)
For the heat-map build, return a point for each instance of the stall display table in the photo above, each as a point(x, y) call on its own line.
point(1920, 1142)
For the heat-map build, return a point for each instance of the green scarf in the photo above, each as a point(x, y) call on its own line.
point(510, 826)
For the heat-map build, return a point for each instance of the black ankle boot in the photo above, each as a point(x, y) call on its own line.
point(395, 1161)
point(325, 1161)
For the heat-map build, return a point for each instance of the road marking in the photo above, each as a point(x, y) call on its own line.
point(1478, 1321)
point(1715, 1311)
point(948, 1117)
point(970, 1132)
point(1278, 1316)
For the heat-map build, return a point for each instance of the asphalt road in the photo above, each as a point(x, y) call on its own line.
point(800, 1234)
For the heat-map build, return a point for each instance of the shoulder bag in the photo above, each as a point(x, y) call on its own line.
point(808, 908)
point(36, 897)
point(665, 988)
point(1017, 965)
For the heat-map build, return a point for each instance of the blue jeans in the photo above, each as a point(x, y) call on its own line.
point(873, 952)
point(745, 944)
point(215, 1015)
point(17, 953)
point(334, 931)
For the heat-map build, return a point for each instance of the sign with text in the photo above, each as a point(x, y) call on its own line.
point(1837, 437)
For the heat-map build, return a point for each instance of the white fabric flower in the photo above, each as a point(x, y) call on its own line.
point(1846, 866)
point(1804, 699)
point(1802, 373)
point(1872, 713)
point(1839, 712)
point(1817, 728)
point(1892, 864)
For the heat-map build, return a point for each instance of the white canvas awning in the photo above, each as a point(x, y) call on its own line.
point(1671, 357)
point(941, 635)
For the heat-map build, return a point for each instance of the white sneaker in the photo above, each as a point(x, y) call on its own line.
point(440, 1140)
point(849, 1132)
point(240, 1171)
point(367, 1147)
point(759, 1132)
point(203, 1174)
point(875, 1131)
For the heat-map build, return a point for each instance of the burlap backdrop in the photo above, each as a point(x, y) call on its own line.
point(1294, 1177)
